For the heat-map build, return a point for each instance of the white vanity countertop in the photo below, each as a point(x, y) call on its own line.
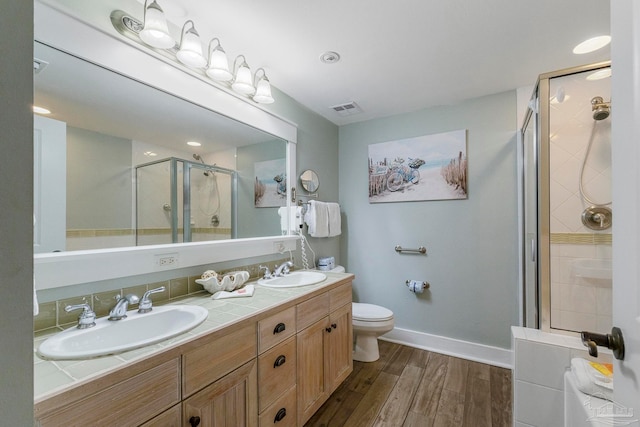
point(52, 377)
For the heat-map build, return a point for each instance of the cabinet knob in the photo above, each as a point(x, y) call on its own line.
point(280, 327)
point(333, 325)
point(279, 361)
point(328, 329)
point(194, 421)
point(280, 415)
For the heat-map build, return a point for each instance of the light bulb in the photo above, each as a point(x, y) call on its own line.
point(155, 32)
point(218, 68)
point(242, 83)
point(190, 52)
point(263, 92)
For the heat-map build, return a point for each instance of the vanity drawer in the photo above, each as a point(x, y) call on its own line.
point(217, 358)
point(137, 399)
point(276, 372)
point(275, 329)
point(282, 413)
point(312, 310)
point(340, 296)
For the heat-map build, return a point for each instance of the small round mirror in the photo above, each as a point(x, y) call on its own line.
point(309, 181)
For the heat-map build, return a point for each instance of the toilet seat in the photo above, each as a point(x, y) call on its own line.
point(370, 312)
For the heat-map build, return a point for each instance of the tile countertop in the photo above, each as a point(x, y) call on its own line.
point(52, 377)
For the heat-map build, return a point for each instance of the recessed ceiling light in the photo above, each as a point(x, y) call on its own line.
point(40, 110)
point(150, 153)
point(600, 74)
point(194, 143)
point(592, 44)
point(330, 57)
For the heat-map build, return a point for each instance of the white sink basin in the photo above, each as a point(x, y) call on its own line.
point(294, 279)
point(137, 330)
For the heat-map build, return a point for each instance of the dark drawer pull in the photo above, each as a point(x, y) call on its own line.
point(194, 421)
point(280, 415)
point(280, 327)
point(333, 325)
point(328, 329)
point(279, 361)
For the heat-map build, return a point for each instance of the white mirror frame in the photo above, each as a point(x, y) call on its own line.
point(104, 46)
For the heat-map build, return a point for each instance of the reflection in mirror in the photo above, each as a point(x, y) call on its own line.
point(113, 168)
point(309, 181)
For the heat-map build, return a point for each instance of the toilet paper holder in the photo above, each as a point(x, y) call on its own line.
point(417, 283)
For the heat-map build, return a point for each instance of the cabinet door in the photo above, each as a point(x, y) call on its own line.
point(340, 360)
point(313, 350)
point(230, 401)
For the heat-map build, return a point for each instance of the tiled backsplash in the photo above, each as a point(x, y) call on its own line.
point(52, 314)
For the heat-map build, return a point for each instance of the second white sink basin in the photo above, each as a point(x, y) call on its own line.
point(137, 330)
point(294, 279)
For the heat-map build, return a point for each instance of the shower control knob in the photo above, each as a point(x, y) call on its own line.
point(597, 217)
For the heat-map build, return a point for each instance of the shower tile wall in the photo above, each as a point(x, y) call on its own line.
point(580, 257)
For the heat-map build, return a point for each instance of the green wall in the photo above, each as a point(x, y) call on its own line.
point(472, 248)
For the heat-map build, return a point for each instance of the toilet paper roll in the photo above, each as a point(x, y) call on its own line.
point(415, 286)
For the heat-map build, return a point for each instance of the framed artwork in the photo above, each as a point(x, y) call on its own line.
point(429, 167)
point(270, 185)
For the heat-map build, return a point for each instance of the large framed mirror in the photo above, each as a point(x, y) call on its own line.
point(114, 105)
point(129, 176)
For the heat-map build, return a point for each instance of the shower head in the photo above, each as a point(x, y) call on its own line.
point(197, 157)
point(601, 109)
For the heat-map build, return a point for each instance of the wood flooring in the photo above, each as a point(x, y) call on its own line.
point(409, 387)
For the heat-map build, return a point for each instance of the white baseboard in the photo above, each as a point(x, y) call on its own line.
point(452, 347)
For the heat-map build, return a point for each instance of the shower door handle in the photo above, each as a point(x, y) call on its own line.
point(533, 250)
point(613, 341)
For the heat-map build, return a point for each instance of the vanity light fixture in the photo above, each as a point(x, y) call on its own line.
point(214, 65)
point(242, 83)
point(263, 88)
point(218, 67)
point(155, 32)
point(190, 51)
point(592, 44)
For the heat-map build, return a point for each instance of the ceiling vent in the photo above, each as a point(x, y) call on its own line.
point(347, 109)
point(39, 65)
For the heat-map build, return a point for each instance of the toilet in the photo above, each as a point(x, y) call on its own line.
point(369, 322)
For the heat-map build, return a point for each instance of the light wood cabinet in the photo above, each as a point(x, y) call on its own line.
point(324, 350)
point(276, 368)
point(230, 401)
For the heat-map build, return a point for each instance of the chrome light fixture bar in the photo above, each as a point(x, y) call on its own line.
point(154, 33)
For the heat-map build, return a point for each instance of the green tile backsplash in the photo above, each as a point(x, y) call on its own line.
point(52, 314)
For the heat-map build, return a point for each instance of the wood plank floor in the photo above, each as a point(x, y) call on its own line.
point(417, 388)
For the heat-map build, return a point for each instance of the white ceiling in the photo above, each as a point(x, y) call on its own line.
point(398, 56)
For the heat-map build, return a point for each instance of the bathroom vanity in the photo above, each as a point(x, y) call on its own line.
point(271, 358)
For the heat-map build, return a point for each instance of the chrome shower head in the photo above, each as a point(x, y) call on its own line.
point(601, 109)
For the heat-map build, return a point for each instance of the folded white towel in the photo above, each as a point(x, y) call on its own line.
point(247, 291)
point(335, 225)
point(591, 381)
point(317, 219)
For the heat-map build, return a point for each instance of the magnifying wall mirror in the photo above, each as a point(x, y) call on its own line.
point(309, 181)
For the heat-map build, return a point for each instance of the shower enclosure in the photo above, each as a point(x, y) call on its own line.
point(172, 189)
point(566, 254)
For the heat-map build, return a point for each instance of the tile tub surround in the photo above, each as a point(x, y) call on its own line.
point(540, 361)
point(54, 378)
point(52, 314)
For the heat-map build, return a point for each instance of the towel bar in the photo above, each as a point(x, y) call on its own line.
point(421, 250)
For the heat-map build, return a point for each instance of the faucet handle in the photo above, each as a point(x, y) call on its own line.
point(86, 319)
point(145, 304)
point(267, 272)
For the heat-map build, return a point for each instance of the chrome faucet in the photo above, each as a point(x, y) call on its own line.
point(87, 318)
point(283, 269)
point(145, 304)
point(267, 273)
point(119, 312)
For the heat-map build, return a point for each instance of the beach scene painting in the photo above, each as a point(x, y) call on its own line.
point(428, 167)
point(270, 185)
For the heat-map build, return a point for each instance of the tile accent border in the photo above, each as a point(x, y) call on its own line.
point(581, 238)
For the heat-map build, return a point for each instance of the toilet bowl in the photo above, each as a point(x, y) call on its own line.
point(369, 322)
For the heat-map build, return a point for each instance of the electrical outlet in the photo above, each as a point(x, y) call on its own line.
point(166, 260)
